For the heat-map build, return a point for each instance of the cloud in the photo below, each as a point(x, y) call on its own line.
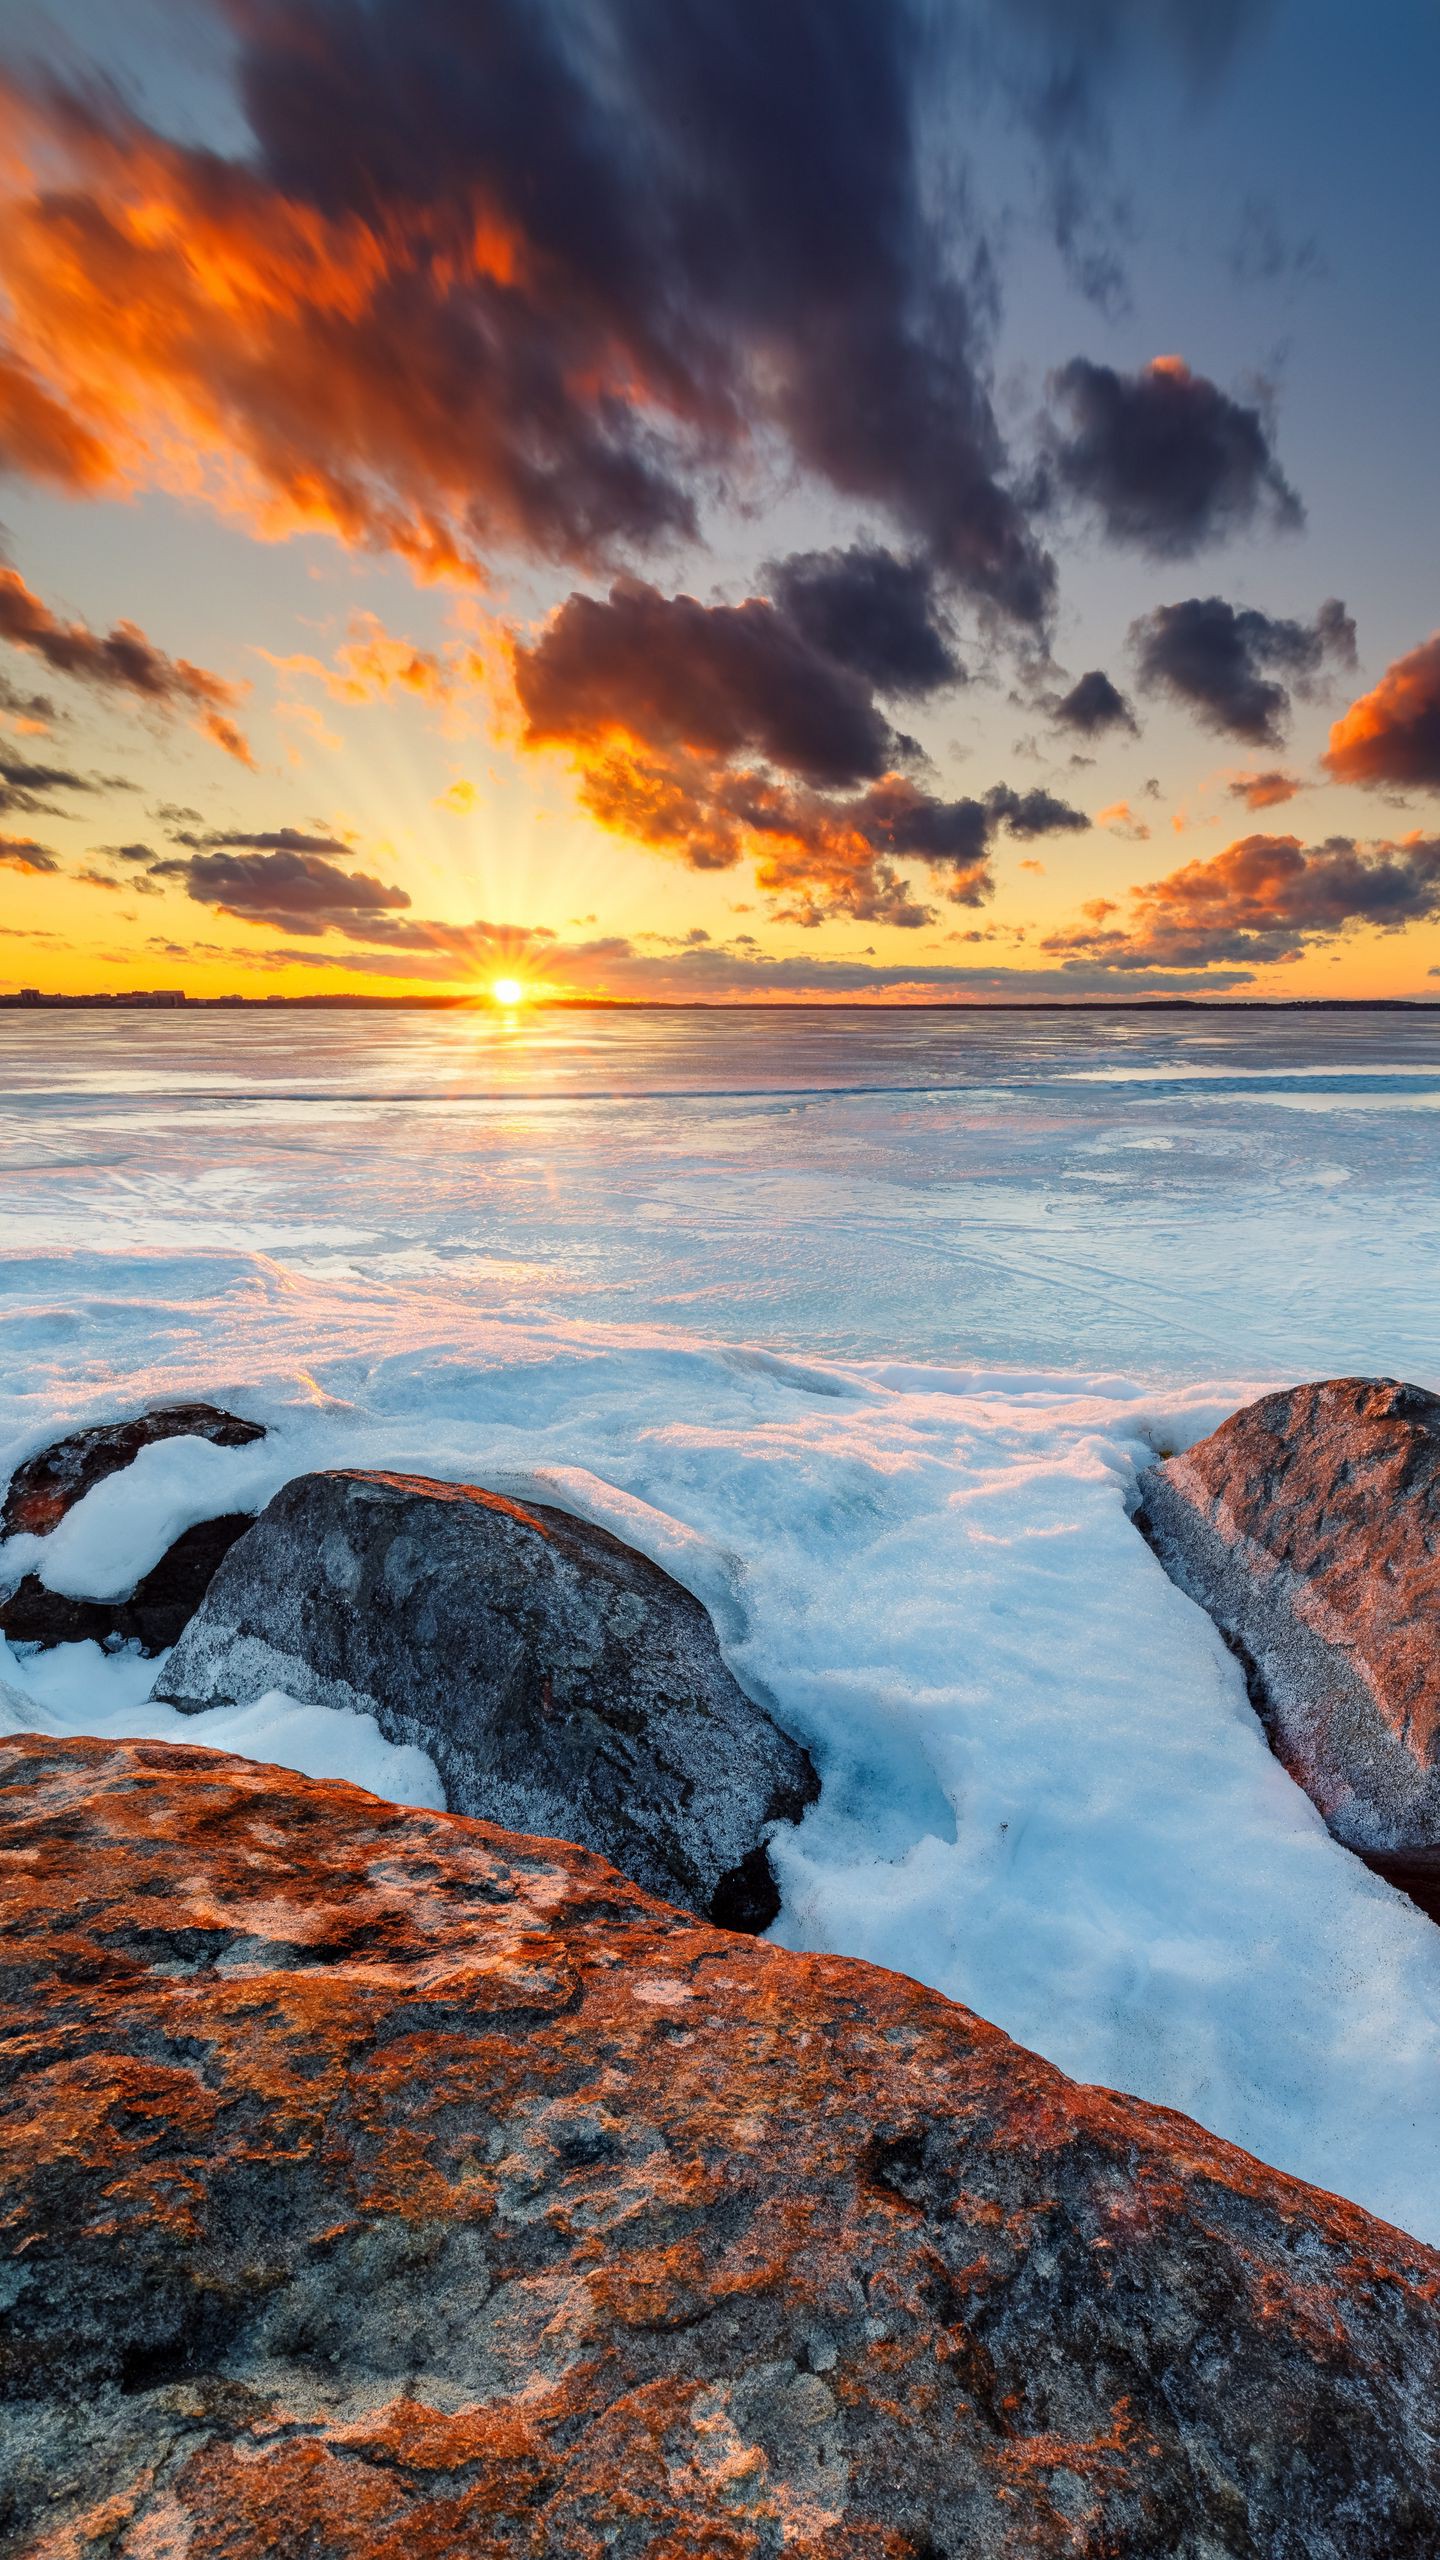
point(1263, 899)
point(701, 971)
point(1057, 62)
point(33, 711)
point(721, 680)
point(1262, 252)
point(523, 278)
point(1168, 461)
point(20, 853)
point(709, 731)
point(873, 612)
point(1391, 736)
point(296, 891)
point(23, 783)
point(273, 840)
point(1212, 656)
point(120, 660)
point(1268, 790)
point(373, 663)
point(1121, 820)
point(1092, 706)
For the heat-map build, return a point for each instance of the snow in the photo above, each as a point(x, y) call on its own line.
point(75, 1688)
point(836, 1323)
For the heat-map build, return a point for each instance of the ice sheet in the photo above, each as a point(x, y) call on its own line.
point(871, 1371)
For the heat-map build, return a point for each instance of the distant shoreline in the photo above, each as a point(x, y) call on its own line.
point(122, 1003)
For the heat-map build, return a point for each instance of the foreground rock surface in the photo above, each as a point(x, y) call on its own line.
point(43, 1488)
point(379, 2186)
point(1308, 1526)
point(561, 1682)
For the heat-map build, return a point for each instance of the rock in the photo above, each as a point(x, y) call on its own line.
point(156, 1610)
point(561, 1683)
point(45, 1487)
point(379, 2186)
point(1308, 1526)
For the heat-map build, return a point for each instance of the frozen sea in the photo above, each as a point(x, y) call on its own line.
point(861, 1324)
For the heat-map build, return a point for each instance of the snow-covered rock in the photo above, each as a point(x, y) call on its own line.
point(561, 1682)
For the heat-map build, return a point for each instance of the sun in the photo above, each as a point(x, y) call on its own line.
point(508, 991)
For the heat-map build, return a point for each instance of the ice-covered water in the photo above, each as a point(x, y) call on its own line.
point(861, 1325)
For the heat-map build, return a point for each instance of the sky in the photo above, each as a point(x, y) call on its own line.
point(863, 500)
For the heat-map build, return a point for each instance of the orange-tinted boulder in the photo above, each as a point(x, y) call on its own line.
point(377, 2185)
point(43, 1488)
point(1308, 1526)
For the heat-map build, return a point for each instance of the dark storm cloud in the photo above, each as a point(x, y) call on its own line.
point(873, 612)
point(721, 680)
point(296, 891)
point(1092, 706)
point(1168, 461)
point(1234, 666)
point(120, 660)
point(1391, 736)
point(1264, 899)
point(529, 275)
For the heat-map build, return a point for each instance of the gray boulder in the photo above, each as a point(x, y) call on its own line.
point(562, 1684)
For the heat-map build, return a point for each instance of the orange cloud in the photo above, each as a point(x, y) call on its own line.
point(1263, 899)
point(1268, 790)
point(712, 731)
point(1121, 820)
point(1391, 736)
point(174, 320)
point(21, 853)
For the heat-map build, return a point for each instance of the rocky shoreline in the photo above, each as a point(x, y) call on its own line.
point(377, 2180)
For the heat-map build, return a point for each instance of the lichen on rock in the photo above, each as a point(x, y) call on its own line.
point(376, 2185)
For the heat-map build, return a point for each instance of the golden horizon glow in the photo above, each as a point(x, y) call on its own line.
point(508, 992)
